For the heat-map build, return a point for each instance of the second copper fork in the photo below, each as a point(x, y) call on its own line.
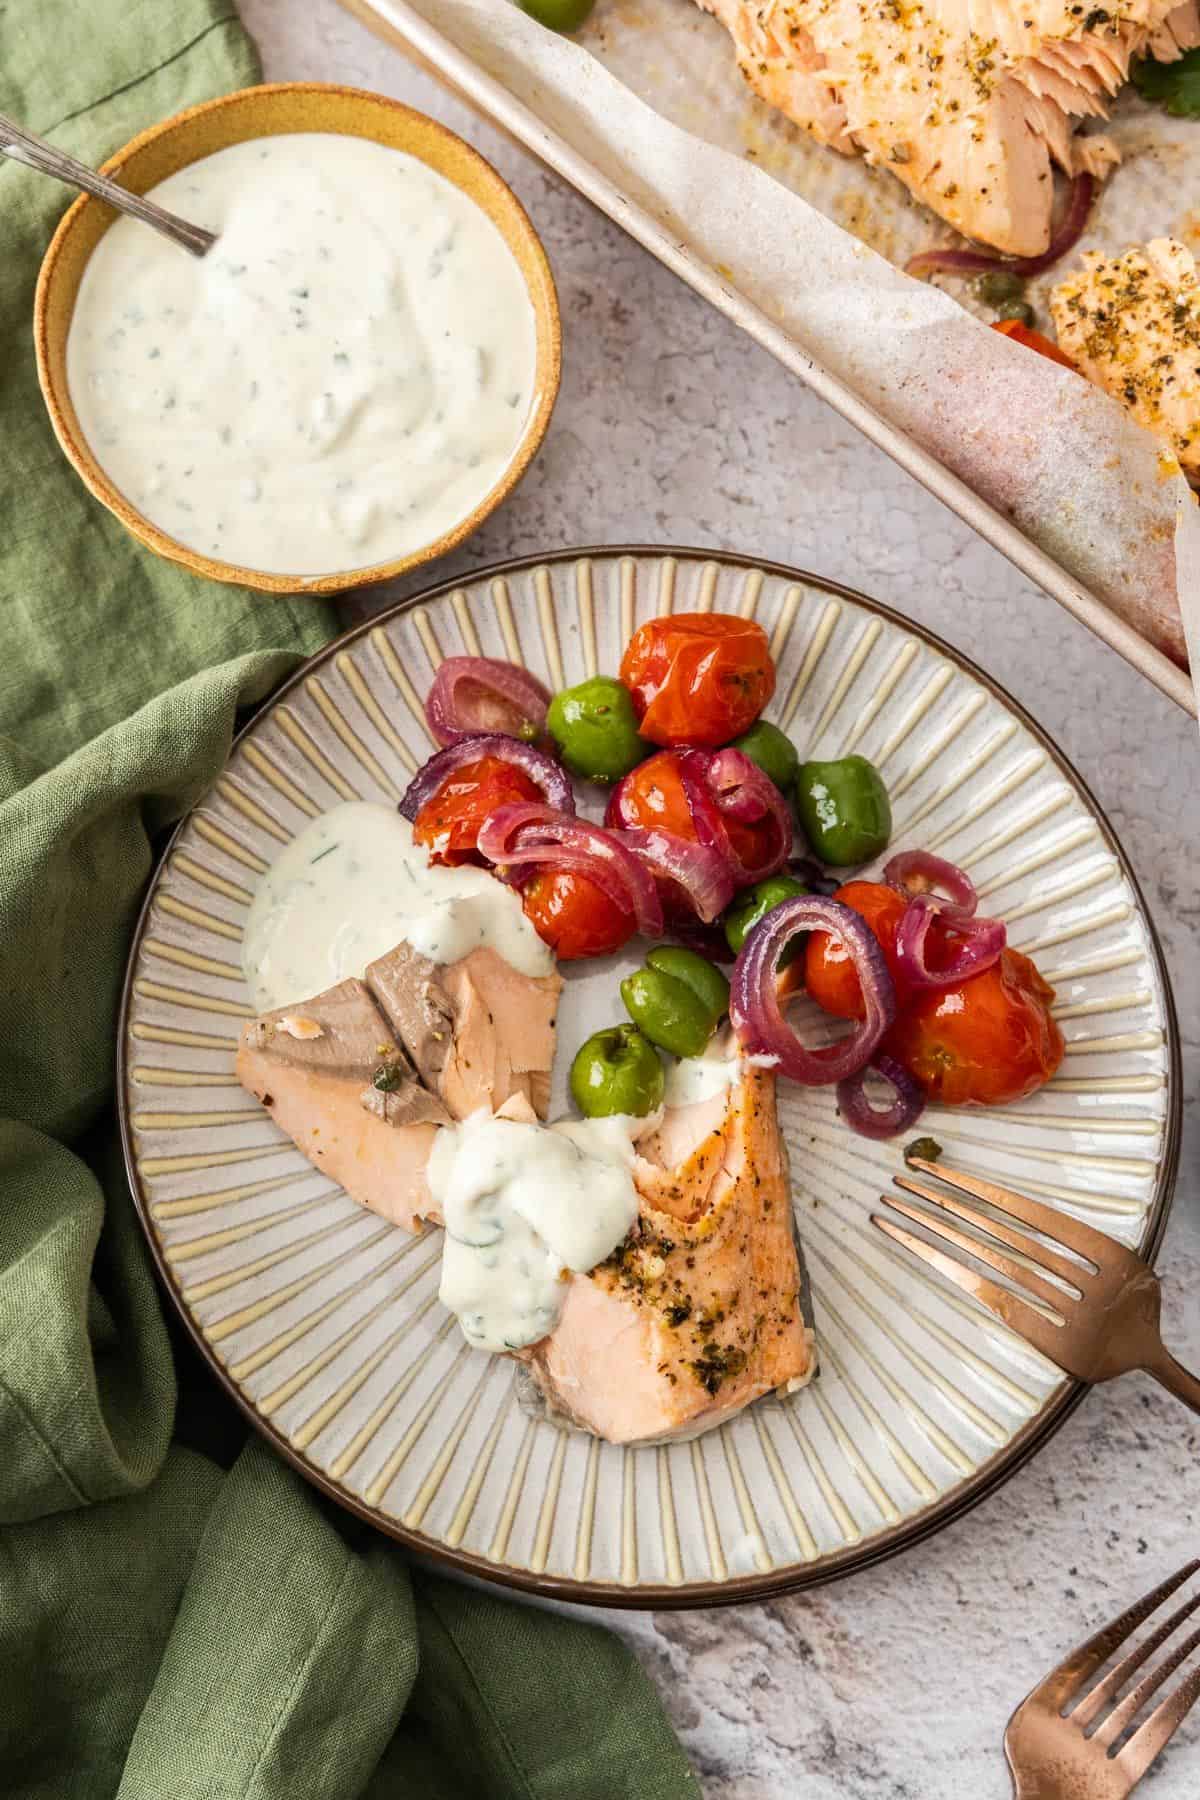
point(1070, 1740)
point(1082, 1299)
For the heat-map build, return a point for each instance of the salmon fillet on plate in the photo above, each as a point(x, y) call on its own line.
point(971, 106)
point(696, 1314)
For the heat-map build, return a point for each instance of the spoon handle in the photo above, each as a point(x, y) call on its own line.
point(25, 147)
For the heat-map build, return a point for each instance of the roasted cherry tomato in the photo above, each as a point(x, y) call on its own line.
point(698, 678)
point(654, 797)
point(450, 820)
point(828, 972)
point(987, 1041)
point(1032, 340)
point(574, 916)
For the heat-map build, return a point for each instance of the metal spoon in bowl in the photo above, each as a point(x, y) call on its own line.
point(25, 147)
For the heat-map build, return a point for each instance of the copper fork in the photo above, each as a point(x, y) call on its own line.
point(1094, 1310)
point(1056, 1754)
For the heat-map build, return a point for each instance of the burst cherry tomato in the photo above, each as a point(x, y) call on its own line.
point(1033, 340)
point(698, 678)
point(450, 819)
point(989, 1040)
point(828, 971)
point(654, 798)
point(574, 916)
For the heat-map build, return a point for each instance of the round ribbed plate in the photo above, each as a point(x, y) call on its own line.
point(323, 1320)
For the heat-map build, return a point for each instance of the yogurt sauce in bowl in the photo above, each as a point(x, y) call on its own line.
point(340, 382)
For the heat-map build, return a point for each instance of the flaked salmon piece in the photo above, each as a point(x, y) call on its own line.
point(969, 105)
point(698, 1313)
point(1131, 323)
point(313, 1067)
point(479, 1031)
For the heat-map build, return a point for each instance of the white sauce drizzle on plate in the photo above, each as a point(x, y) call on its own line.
point(523, 1205)
point(695, 1078)
point(350, 887)
point(340, 381)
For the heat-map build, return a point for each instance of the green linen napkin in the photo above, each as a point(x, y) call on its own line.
point(172, 1629)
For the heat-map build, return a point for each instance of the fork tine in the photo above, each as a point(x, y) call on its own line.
point(1012, 1311)
point(995, 1259)
point(1105, 1692)
point(1064, 1682)
point(1122, 1717)
point(1084, 1239)
point(1006, 1234)
point(1145, 1745)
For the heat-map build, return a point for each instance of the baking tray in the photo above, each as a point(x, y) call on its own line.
point(400, 24)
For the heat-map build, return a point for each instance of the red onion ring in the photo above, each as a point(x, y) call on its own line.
point(974, 262)
point(881, 1122)
point(702, 803)
point(542, 770)
point(700, 871)
point(746, 792)
point(722, 784)
point(979, 944)
point(521, 835)
point(474, 694)
point(914, 873)
point(917, 871)
point(754, 1000)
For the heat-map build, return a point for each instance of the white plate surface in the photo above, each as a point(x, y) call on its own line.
point(324, 1319)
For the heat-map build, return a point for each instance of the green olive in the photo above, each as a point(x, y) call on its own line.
point(558, 15)
point(696, 972)
point(753, 904)
point(594, 727)
point(999, 286)
point(774, 753)
point(844, 810)
point(617, 1071)
point(669, 1012)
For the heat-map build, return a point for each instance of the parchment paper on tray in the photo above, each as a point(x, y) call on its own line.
point(651, 98)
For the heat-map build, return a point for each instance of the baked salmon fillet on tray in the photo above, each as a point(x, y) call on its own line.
point(1005, 158)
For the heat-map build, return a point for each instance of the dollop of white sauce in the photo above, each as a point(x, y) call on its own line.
point(342, 378)
point(695, 1078)
point(351, 886)
point(522, 1206)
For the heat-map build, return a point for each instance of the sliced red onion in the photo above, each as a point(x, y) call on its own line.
point(976, 946)
point(521, 835)
point(918, 871)
point(700, 871)
point(474, 694)
point(542, 770)
point(881, 1122)
point(978, 942)
point(723, 784)
point(745, 792)
point(754, 1003)
point(979, 262)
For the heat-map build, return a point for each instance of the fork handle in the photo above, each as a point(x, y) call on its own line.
point(1174, 1377)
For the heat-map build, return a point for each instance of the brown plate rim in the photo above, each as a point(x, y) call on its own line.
point(990, 1475)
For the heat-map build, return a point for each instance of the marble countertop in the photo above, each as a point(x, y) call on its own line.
point(672, 427)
